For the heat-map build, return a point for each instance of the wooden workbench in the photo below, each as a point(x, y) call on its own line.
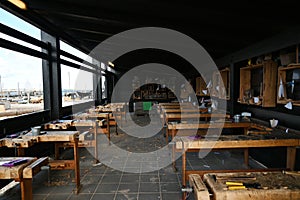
point(258, 185)
point(185, 144)
point(56, 137)
point(22, 173)
point(190, 128)
point(87, 138)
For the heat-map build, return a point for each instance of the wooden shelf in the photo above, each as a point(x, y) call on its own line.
point(152, 92)
point(200, 86)
point(221, 81)
point(282, 76)
point(267, 86)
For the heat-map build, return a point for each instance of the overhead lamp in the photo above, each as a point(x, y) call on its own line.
point(111, 64)
point(19, 4)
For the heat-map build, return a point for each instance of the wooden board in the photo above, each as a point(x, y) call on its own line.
point(210, 125)
point(18, 142)
point(233, 141)
point(54, 136)
point(16, 171)
point(199, 189)
point(274, 185)
point(35, 167)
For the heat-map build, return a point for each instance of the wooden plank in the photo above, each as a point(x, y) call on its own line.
point(245, 82)
point(276, 185)
point(200, 190)
point(210, 125)
point(15, 172)
point(62, 164)
point(232, 144)
point(35, 167)
point(269, 83)
point(26, 189)
point(291, 157)
point(18, 142)
point(53, 136)
point(76, 167)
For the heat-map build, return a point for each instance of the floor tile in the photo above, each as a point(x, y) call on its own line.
point(128, 188)
point(132, 178)
point(152, 196)
point(111, 179)
point(172, 196)
point(103, 197)
point(149, 187)
point(125, 196)
point(107, 188)
point(58, 197)
point(79, 197)
point(154, 178)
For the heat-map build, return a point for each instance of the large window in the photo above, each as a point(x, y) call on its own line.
point(21, 76)
point(77, 84)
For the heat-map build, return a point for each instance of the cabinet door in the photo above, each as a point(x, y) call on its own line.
point(200, 86)
point(269, 84)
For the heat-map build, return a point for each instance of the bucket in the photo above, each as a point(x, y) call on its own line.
point(35, 130)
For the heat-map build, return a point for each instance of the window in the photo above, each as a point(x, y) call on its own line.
point(104, 87)
point(21, 75)
point(76, 84)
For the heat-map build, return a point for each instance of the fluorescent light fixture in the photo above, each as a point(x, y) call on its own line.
point(19, 4)
point(111, 64)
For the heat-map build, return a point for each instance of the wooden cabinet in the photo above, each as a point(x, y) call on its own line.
point(152, 92)
point(221, 84)
point(201, 87)
point(288, 84)
point(258, 84)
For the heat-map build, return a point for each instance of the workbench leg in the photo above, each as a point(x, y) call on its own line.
point(21, 152)
point(245, 131)
point(184, 174)
point(167, 135)
point(77, 169)
point(290, 157)
point(108, 128)
point(26, 189)
point(173, 157)
point(246, 157)
point(56, 151)
point(96, 143)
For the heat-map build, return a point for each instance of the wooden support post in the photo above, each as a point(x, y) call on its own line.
point(183, 172)
point(77, 169)
point(200, 189)
point(26, 189)
point(246, 157)
point(21, 151)
point(96, 142)
point(108, 127)
point(56, 151)
point(167, 134)
point(290, 158)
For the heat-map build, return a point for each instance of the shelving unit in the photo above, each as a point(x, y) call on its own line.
point(201, 86)
point(221, 84)
point(285, 75)
point(258, 81)
point(151, 92)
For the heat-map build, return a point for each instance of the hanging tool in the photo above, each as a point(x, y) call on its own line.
point(295, 76)
point(280, 89)
point(240, 185)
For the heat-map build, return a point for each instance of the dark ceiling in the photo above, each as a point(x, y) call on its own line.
point(221, 27)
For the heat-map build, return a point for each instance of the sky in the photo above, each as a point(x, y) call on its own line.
point(21, 71)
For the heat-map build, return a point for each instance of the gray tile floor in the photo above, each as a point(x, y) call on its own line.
point(102, 182)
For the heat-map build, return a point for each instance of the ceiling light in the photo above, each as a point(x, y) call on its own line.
point(18, 3)
point(111, 64)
